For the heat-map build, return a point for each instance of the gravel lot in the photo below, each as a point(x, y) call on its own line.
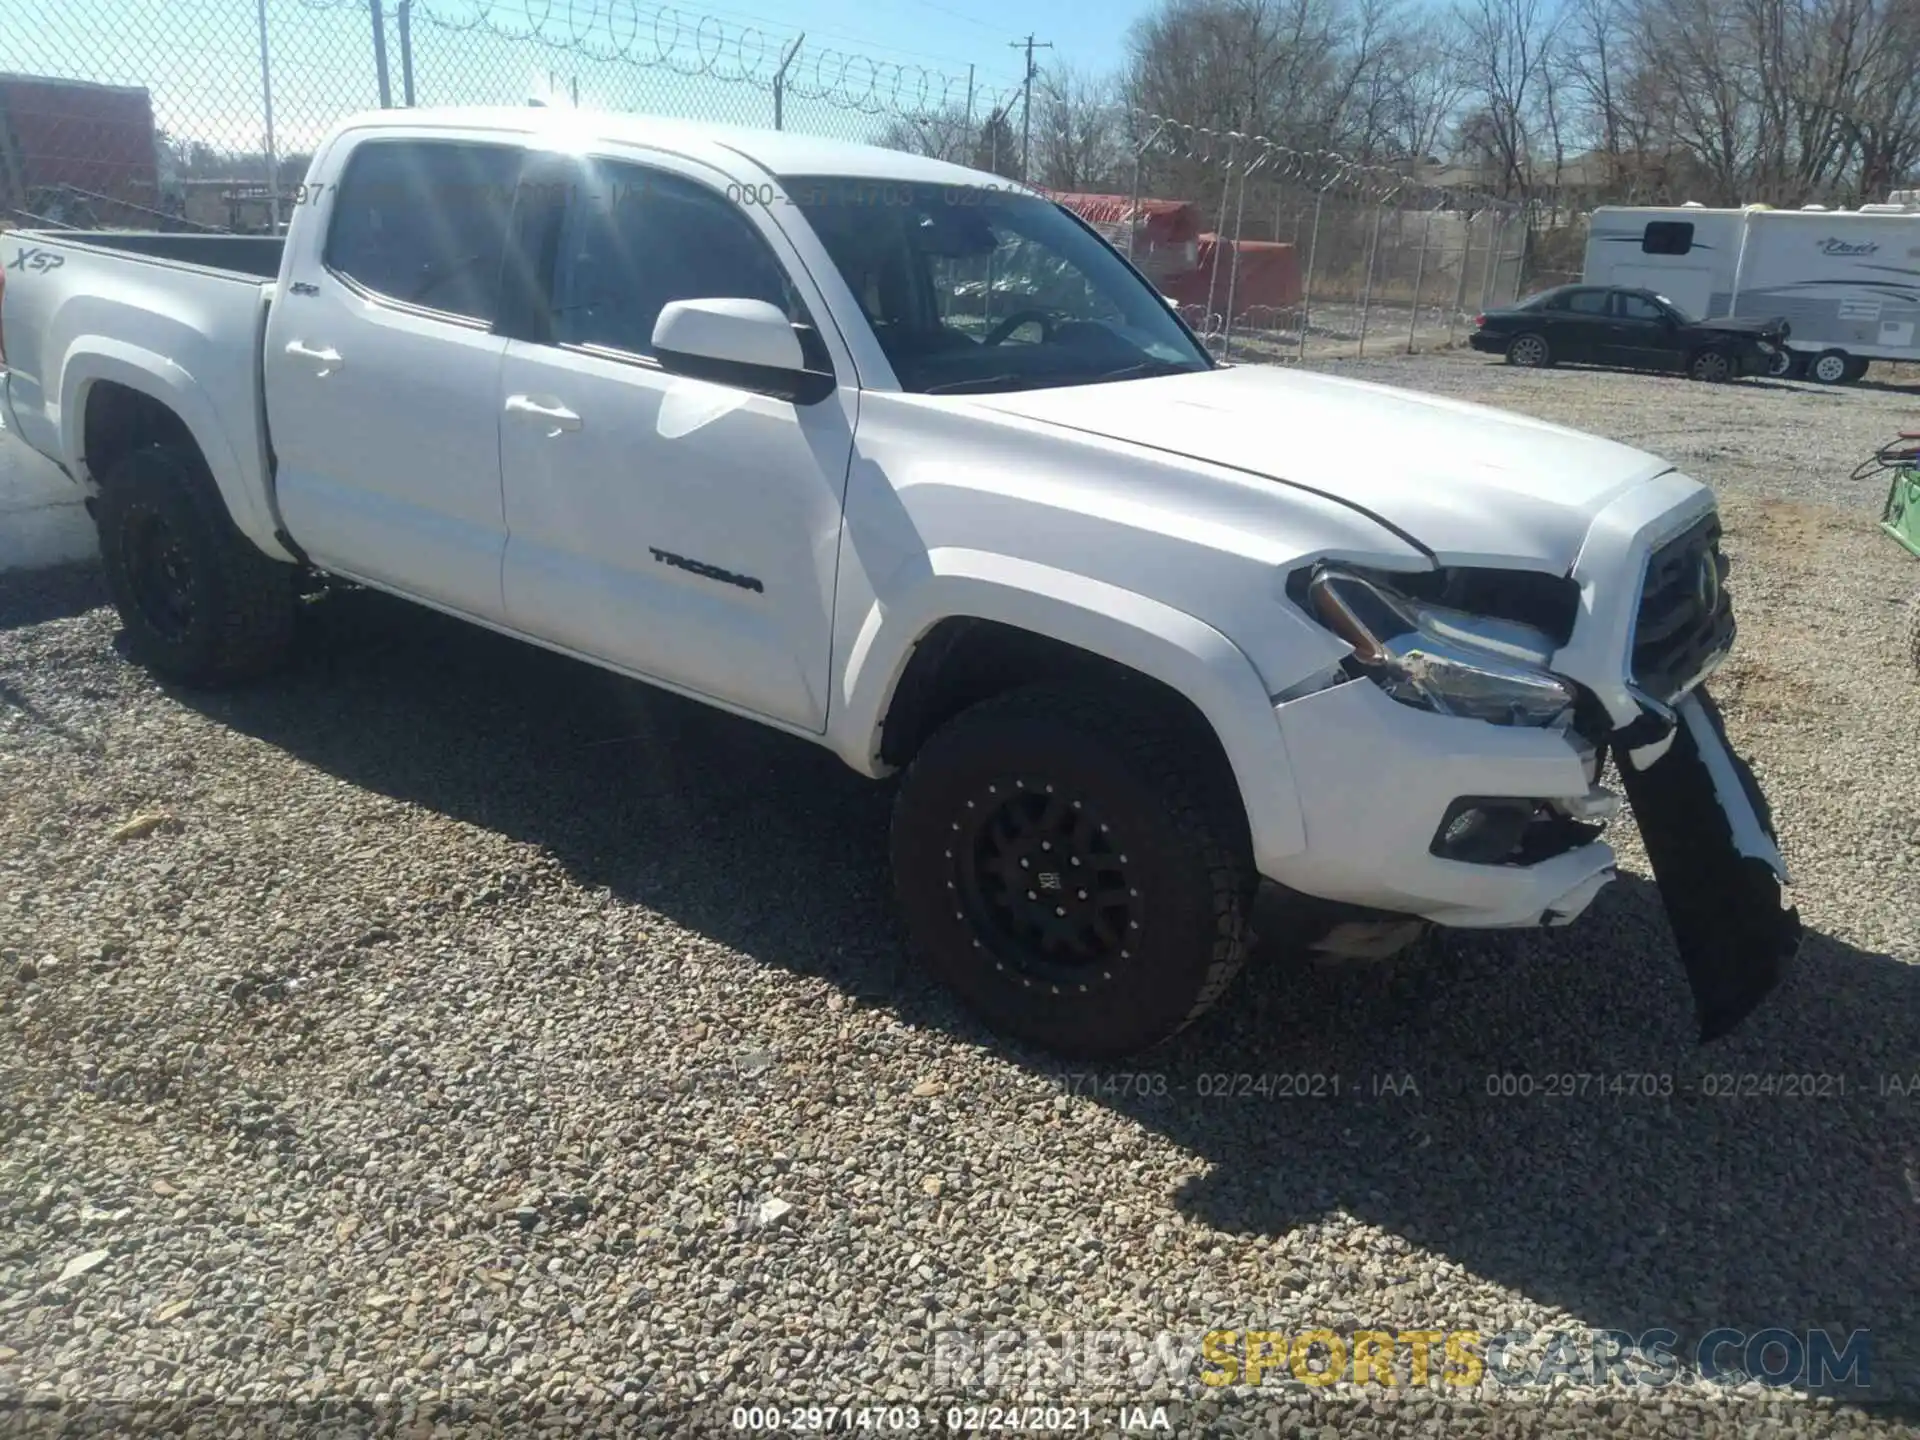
point(480, 1038)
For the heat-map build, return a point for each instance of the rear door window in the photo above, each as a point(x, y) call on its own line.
point(1588, 302)
point(424, 222)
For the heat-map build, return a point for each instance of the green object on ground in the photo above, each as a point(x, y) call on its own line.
point(1901, 519)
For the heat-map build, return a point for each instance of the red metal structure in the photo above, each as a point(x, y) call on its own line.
point(1165, 233)
point(69, 144)
point(1263, 274)
point(1172, 251)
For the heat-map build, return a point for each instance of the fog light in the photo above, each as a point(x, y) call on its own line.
point(1598, 803)
point(1482, 832)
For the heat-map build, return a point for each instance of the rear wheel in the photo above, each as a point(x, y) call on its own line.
point(1530, 351)
point(199, 602)
point(1856, 369)
point(1711, 366)
point(1071, 872)
point(1832, 367)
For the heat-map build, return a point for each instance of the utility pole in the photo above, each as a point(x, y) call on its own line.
point(1026, 104)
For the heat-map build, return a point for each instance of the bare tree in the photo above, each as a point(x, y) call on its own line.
point(938, 134)
point(1270, 67)
point(1881, 119)
point(1507, 48)
point(1079, 140)
point(1569, 101)
point(1422, 85)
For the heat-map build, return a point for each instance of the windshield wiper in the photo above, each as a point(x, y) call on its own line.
point(989, 382)
point(1040, 382)
point(1144, 369)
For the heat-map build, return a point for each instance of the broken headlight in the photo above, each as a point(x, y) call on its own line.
point(1440, 659)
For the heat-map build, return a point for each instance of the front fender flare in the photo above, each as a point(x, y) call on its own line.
point(1127, 628)
point(96, 358)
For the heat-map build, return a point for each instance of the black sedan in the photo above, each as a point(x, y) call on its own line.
point(1631, 329)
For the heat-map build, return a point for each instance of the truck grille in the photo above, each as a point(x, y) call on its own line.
point(1685, 620)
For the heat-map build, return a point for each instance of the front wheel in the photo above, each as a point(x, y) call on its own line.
point(1711, 367)
point(1071, 872)
point(1785, 365)
point(1529, 351)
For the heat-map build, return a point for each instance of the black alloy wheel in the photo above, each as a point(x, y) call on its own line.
point(1044, 881)
point(1072, 865)
point(159, 572)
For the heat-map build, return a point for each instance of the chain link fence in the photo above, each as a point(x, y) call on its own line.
point(204, 115)
point(1307, 252)
point(115, 113)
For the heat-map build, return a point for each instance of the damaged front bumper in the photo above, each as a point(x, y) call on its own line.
point(1475, 825)
point(1707, 828)
point(1710, 839)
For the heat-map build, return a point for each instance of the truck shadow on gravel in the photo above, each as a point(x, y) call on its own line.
point(1530, 1106)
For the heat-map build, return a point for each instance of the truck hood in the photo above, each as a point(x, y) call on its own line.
point(1470, 484)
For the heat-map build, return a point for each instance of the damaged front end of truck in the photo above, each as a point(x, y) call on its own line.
point(1707, 827)
point(1605, 666)
point(1709, 837)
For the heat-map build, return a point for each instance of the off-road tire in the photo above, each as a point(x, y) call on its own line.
point(241, 603)
point(1530, 351)
point(1171, 819)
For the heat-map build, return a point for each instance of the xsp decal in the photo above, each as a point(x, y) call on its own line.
point(30, 259)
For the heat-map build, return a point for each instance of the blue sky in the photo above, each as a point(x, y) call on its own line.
point(1085, 33)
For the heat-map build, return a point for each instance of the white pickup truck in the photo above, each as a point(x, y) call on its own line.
point(907, 461)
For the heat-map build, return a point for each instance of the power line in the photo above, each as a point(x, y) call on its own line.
point(961, 15)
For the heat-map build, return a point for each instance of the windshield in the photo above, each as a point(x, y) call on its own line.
point(1679, 314)
point(973, 289)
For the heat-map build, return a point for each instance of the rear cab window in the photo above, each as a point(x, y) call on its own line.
point(424, 223)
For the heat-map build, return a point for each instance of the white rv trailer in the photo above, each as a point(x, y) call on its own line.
point(1686, 253)
point(1847, 282)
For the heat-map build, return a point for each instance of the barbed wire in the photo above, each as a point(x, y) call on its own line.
point(212, 107)
point(1312, 169)
point(696, 45)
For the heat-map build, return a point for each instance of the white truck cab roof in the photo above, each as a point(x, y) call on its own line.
point(777, 152)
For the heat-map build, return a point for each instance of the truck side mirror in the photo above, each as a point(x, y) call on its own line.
point(747, 344)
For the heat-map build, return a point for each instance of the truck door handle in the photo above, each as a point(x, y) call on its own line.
point(556, 417)
point(327, 360)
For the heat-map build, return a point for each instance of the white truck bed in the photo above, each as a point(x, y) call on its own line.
point(186, 312)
